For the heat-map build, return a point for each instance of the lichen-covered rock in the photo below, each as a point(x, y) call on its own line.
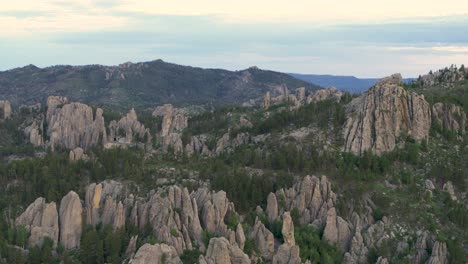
point(377, 119)
point(70, 220)
point(156, 254)
point(5, 109)
point(221, 251)
point(74, 125)
point(449, 117)
point(337, 231)
point(41, 220)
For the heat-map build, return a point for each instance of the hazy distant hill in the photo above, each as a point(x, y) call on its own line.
point(140, 84)
point(345, 83)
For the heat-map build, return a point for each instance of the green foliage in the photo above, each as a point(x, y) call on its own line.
point(313, 248)
point(174, 232)
point(233, 221)
point(206, 237)
point(190, 256)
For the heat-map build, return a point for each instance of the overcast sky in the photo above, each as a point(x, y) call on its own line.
point(365, 38)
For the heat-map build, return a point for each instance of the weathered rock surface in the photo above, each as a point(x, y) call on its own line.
point(70, 220)
point(288, 253)
point(127, 129)
point(34, 133)
point(77, 154)
point(312, 197)
point(227, 143)
point(41, 220)
point(263, 239)
point(156, 254)
point(448, 187)
point(330, 93)
point(174, 121)
point(439, 253)
point(5, 109)
point(337, 231)
point(221, 251)
point(377, 119)
point(131, 248)
point(74, 125)
point(272, 207)
point(449, 117)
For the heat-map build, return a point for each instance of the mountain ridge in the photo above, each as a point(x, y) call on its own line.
point(141, 84)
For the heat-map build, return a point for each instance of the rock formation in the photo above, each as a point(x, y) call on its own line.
point(311, 197)
point(34, 133)
point(330, 93)
point(449, 117)
point(221, 251)
point(70, 220)
point(272, 207)
point(74, 125)
point(263, 239)
point(41, 220)
point(5, 109)
point(439, 254)
point(127, 129)
point(337, 231)
point(288, 253)
point(156, 254)
point(77, 154)
point(174, 121)
point(386, 112)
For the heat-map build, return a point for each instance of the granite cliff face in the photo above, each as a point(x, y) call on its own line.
point(378, 119)
point(72, 125)
point(449, 117)
point(174, 121)
point(41, 221)
point(282, 95)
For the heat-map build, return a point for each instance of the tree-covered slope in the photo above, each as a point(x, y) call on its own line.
point(141, 84)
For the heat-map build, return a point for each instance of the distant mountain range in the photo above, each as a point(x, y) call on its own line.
point(345, 83)
point(144, 84)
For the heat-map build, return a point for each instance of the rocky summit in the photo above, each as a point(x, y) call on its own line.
point(378, 119)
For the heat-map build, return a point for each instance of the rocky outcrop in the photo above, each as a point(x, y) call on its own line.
point(263, 239)
point(439, 253)
point(156, 254)
point(266, 101)
point(446, 78)
point(74, 125)
point(5, 109)
point(337, 231)
point(227, 143)
point(448, 187)
point(449, 117)
point(34, 133)
point(288, 253)
point(312, 198)
point(41, 221)
point(272, 207)
point(221, 251)
point(77, 154)
point(70, 220)
point(197, 145)
point(330, 93)
point(131, 248)
point(174, 121)
point(378, 119)
point(127, 129)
